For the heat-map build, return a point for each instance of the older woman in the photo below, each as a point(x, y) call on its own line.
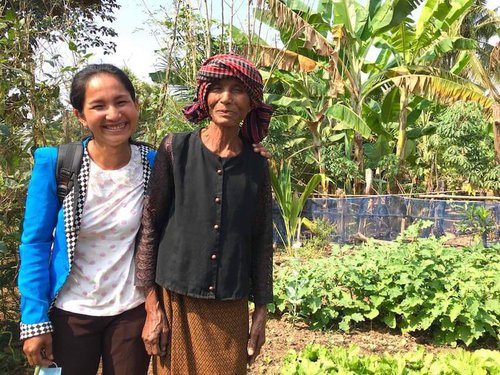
point(206, 235)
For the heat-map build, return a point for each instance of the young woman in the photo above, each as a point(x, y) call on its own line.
point(206, 235)
point(78, 299)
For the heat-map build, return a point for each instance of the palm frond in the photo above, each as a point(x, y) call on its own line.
point(495, 59)
point(282, 59)
point(442, 90)
point(436, 85)
point(286, 18)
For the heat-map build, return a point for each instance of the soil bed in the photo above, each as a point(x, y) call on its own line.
point(282, 336)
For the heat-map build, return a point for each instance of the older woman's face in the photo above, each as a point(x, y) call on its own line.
point(228, 102)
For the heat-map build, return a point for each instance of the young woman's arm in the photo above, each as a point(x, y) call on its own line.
point(40, 219)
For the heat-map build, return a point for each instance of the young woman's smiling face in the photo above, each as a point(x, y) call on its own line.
point(228, 102)
point(108, 111)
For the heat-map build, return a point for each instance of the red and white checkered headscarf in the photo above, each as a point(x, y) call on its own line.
point(256, 124)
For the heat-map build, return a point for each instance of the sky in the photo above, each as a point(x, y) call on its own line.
point(136, 42)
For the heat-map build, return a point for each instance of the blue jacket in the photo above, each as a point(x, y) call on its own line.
point(50, 231)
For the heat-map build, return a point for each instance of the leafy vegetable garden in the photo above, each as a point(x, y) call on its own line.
point(446, 297)
point(452, 293)
point(319, 360)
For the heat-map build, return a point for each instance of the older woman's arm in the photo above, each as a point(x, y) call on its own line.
point(155, 215)
point(258, 148)
point(261, 268)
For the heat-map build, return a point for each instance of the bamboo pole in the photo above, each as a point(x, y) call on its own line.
point(208, 34)
point(222, 26)
point(249, 30)
point(416, 195)
point(231, 15)
point(458, 197)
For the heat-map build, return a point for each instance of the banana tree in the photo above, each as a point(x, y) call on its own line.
point(419, 45)
point(338, 36)
point(487, 78)
point(405, 49)
point(305, 103)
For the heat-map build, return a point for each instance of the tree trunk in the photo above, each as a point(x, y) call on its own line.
point(358, 157)
point(496, 131)
point(313, 127)
point(403, 114)
point(368, 181)
point(65, 124)
point(429, 182)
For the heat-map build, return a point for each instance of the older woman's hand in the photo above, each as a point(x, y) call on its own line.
point(257, 147)
point(156, 330)
point(257, 332)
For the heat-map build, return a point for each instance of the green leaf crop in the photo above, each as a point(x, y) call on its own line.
point(315, 359)
point(451, 293)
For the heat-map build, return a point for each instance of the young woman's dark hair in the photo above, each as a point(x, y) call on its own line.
point(80, 80)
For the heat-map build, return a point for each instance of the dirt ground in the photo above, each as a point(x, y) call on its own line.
point(282, 336)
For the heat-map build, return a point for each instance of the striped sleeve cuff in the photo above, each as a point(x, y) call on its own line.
point(32, 330)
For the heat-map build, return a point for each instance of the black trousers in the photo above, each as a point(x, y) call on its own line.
point(81, 341)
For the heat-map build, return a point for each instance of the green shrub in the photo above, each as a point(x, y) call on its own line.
point(451, 293)
point(462, 149)
point(477, 221)
point(12, 360)
point(315, 359)
point(319, 240)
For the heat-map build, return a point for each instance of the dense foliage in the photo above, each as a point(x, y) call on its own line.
point(316, 360)
point(414, 286)
point(346, 103)
point(462, 150)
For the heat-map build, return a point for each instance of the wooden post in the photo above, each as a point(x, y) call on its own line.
point(496, 130)
point(369, 180)
point(403, 225)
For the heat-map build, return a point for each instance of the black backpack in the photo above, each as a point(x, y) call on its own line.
point(69, 161)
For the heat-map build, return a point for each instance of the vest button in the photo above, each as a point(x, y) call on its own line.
point(213, 257)
point(216, 227)
point(211, 288)
point(219, 172)
point(217, 200)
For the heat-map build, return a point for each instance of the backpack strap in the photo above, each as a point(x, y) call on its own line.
point(69, 161)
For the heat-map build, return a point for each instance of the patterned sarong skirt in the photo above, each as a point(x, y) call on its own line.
point(207, 337)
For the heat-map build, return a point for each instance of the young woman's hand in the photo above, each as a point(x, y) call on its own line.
point(156, 330)
point(257, 332)
point(258, 148)
point(38, 350)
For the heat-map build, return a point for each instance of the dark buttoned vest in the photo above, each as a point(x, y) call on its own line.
point(206, 247)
